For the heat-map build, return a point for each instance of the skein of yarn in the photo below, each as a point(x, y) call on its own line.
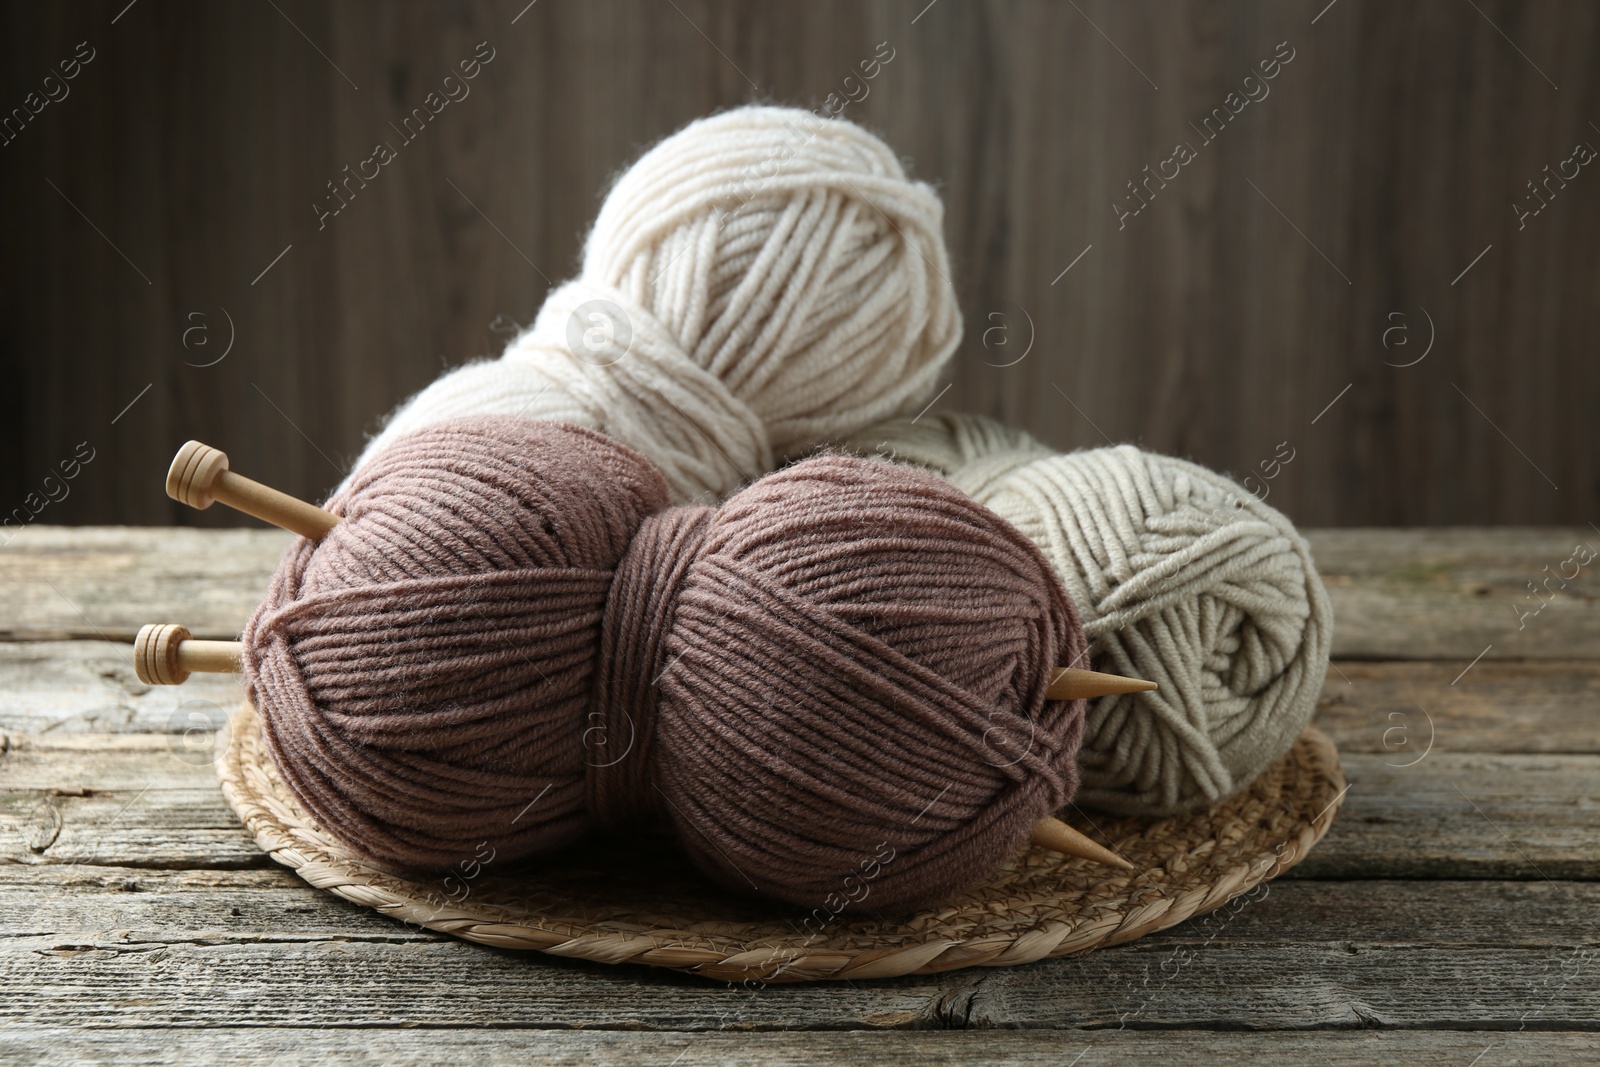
point(758, 282)
point(1181, 577)
point(834, 685)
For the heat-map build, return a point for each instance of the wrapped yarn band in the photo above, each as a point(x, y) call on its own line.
point(620, 740)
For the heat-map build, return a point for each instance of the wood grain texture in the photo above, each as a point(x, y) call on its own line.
point(104, 583)
point(140, 904)
point(66, 687)
point(1254, 288)
point(1408, 709)
point(142, 948)
point(1268, 986)
point(1442, 594)
point(46, 1046)
point(216, 906)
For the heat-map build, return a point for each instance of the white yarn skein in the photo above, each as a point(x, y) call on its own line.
point(758, 282)
point(1180, 576)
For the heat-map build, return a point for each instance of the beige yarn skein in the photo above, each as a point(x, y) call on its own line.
point(1180, 576)
point(757, 282)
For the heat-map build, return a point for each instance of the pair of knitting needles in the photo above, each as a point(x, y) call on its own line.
point(166, 654)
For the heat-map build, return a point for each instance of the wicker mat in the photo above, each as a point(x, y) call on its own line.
point(636, 900)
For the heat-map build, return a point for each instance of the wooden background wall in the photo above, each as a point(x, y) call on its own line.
point(167, 201)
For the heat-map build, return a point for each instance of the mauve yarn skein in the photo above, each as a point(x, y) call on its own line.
point(833, 684)
point(758, 282)
point(1181, 577)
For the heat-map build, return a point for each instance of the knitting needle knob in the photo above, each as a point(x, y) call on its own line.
point(165, 654)
point(199, 475)
point(1057, 836)
point(1071, 683)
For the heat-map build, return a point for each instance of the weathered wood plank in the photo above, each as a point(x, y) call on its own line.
point(211, 905)
point(50, 1047)
point(1395, 708)
point(134, 905)
point(1398, 594)
point(107, 581)
point(90, 687)
point(258, 1046)
point(1304, 955)
point(131, 800)
point(1454, 593)
point(166, 828)
point(372, 983)
point(1464, 815)
point(1498, 706)
point(1148, 984)
point(138, 800)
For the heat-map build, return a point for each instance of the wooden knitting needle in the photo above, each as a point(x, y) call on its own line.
point(1057, 836)
point(199, 475)
point(173, 644)
point(1071, 683)
point(223, 656)
point(166, 654)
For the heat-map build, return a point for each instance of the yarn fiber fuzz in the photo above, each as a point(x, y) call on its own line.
point(758, 282)
point(1181, 577)
point(833, 685)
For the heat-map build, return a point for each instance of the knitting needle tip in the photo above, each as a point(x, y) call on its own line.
point(1071, 683)
point(1057, 836)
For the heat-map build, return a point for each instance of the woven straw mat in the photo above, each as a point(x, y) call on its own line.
point(644, 903)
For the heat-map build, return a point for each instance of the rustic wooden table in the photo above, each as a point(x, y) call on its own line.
point(1449, 917)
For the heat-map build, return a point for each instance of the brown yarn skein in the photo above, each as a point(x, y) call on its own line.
point(833, 685)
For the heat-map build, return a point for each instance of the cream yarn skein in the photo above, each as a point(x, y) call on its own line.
point(1180, 576)
point(758, 282)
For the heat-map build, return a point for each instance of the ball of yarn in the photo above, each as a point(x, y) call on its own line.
point(758, 282)
point(1181, 577)
point(833, 685)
